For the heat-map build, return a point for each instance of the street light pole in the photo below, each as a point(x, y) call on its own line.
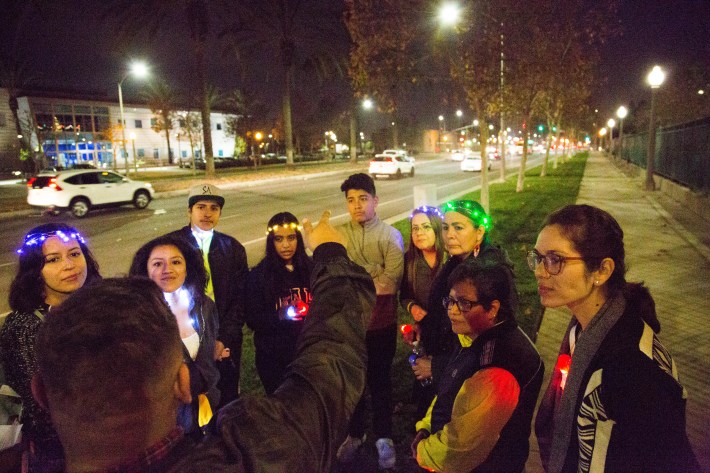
point(611, 124)
point(621, 112)
point(123, 123)
point(138, 69)
point(655, 79)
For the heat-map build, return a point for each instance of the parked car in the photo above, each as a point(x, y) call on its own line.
point(186, 162)
point(473, 162)
point(391, 166)
point(82, 190)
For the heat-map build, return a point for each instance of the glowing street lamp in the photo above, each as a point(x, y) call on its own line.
point(139, 70)
point(621, 113)
point(449, 14)
point(655, 78)
point(367, 104)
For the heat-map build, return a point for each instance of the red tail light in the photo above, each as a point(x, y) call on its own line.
point(53, 184)
point(31, 181)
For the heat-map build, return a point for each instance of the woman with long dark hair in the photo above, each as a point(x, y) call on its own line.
point(178, 269)
point(614, 402)
point(54, 262)
point(279, 292)
point(423, 260)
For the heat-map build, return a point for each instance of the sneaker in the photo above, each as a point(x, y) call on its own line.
point(386, 453)
point(349, 448)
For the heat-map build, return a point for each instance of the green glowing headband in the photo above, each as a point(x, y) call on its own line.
point(472, 210)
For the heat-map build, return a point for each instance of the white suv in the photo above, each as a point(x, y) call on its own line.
point(392, 165)
point(81, 190)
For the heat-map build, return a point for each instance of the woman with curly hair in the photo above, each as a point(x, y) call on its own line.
point(54, 262)
point(279, 293)
point(178, 269)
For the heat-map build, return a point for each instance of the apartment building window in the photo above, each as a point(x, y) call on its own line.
point(219, 126)
point(153, 122)
point(139, 123)
point(220, 153)
point(156, 153)
point(141, 153)
point(184, 154)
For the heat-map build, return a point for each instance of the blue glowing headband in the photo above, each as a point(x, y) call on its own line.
point(35, 239)
point(426, 210)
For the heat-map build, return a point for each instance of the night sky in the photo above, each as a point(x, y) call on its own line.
point(72, 48)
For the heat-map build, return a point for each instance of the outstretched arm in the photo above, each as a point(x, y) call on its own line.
point(299, 427)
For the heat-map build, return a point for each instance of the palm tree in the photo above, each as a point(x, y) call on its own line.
point(148, 17)
point(161, 99)
point(306, 34)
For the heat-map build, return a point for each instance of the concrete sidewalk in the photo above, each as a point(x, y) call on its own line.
point(674, 262)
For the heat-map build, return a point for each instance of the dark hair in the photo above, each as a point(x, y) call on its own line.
point(596, 235)
point(274, 264)
point(103, 349)
point(196, 278)
point(492, 283)
point(474, 212)
point(359, 181)
point(413, 253)
point(27, 289)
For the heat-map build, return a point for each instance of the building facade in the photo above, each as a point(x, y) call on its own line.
point(70, 131)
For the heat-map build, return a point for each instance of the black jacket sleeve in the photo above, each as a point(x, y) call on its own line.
point(299, 427)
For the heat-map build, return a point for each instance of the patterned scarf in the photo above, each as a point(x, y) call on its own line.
point(586, 348)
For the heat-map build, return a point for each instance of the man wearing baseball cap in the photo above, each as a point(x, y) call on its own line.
point(226, 264)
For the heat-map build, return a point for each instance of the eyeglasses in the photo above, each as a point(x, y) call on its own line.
point(424, 228)
point(551, 261)
point(464, 305)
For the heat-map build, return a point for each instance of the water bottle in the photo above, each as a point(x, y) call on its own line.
point(418, 352)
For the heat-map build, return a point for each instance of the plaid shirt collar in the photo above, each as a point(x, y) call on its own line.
point(150, 456)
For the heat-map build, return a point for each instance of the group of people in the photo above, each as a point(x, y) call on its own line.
point(142, 373)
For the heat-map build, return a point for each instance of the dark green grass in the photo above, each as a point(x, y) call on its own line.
point(516, 221)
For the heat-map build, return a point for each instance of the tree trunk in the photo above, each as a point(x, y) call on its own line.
point(288, 126)
point(167, 138)
point(523, 159)
point(205, 108)
point(485, 201)
point(543, 173)
point(353, 134)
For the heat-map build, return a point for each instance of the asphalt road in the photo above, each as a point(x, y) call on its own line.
point(115, 234)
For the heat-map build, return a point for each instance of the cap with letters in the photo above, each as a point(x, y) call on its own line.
point(205, 192)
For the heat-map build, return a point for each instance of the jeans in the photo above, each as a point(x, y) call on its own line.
point(381, 347)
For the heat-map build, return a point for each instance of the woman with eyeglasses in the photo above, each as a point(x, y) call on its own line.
point(480, 419)
point(178, 269)
point(465, 233)
point(279, 296)
point(54, 262)
point(614, 402)
point(423, 260)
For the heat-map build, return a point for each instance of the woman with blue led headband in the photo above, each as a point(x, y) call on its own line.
point(279, 292)
point(177, 268)
point(423, 260)
point(465, 232)
point(54, 262)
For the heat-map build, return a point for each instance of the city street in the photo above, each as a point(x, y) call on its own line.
point(114, 235)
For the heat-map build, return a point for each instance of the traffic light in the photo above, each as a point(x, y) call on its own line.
point(541, 128)
point(554, 128)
